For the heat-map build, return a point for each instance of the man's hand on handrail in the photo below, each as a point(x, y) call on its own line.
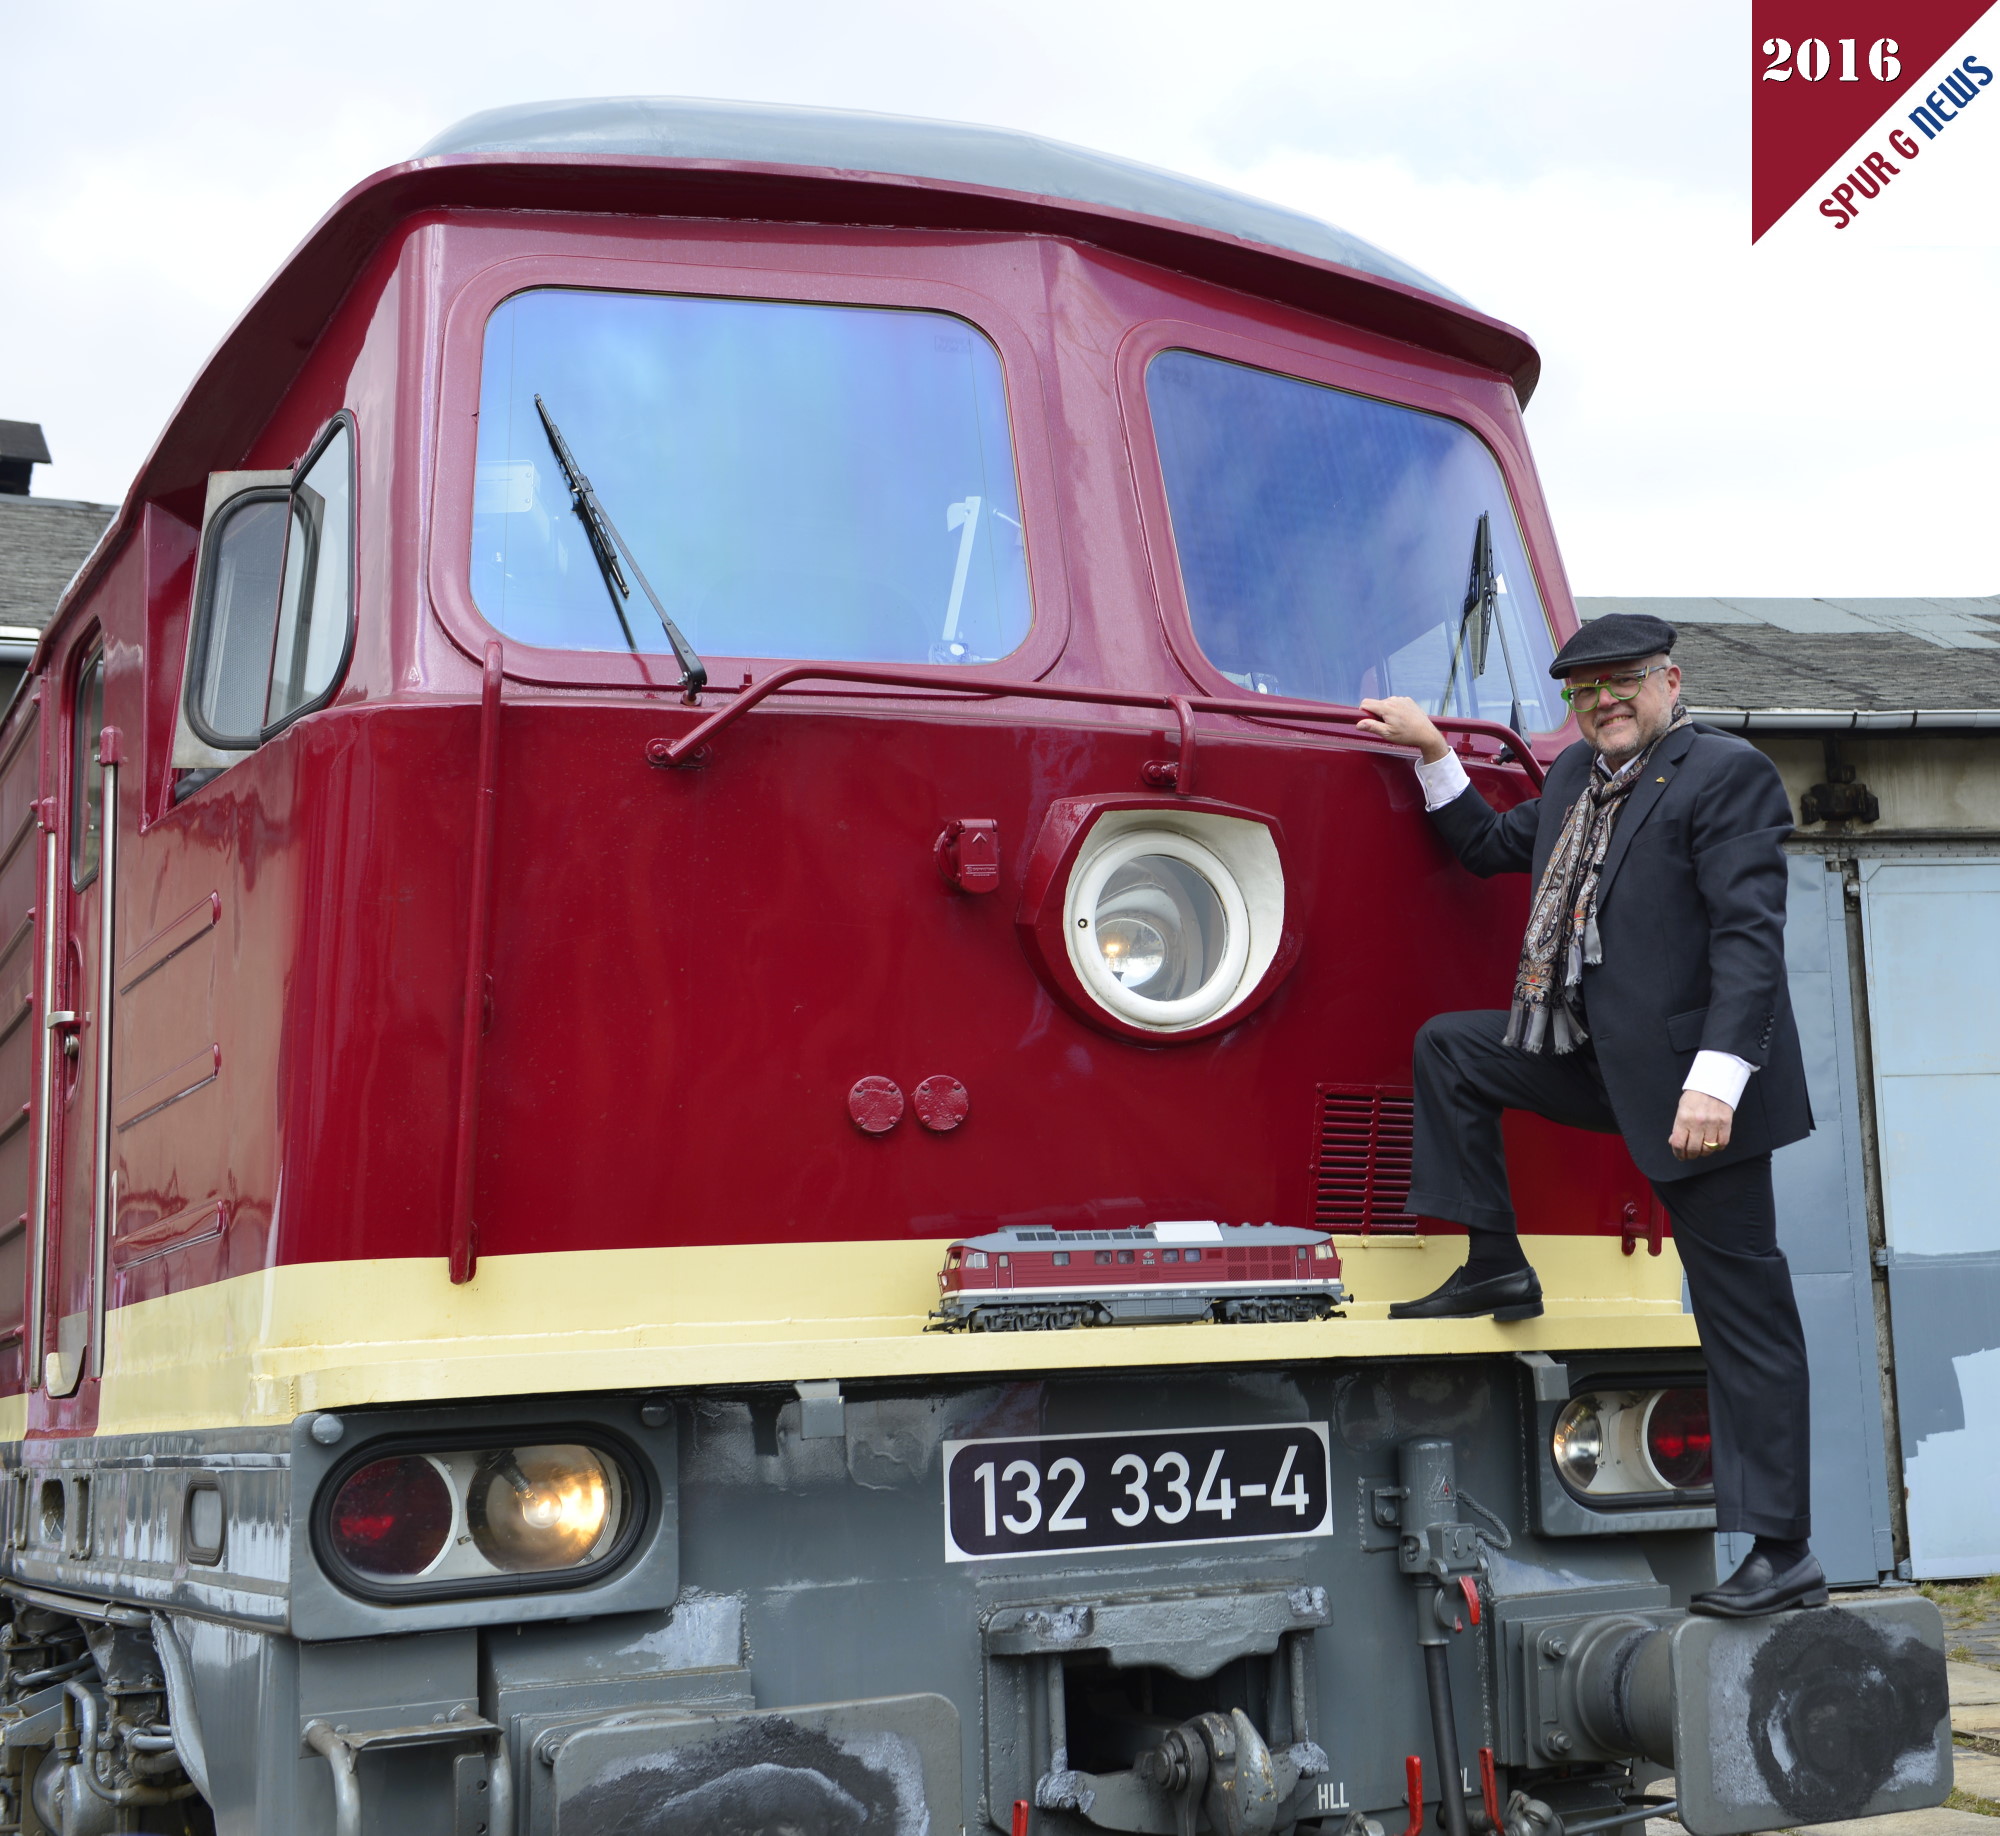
point(691, 747)
point(1400, 720)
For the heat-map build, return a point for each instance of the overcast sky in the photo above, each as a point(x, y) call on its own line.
point(1818, 415)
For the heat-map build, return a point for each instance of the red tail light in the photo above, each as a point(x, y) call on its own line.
point(1677, 1439)
point(393, 1517)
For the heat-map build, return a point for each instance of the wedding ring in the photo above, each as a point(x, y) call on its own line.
point(1710, 1146)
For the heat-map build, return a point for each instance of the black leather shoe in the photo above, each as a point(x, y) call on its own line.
point(1517, 1296)
point(1757, 1588)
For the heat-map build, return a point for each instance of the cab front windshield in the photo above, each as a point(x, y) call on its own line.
point(1329, 545)
point(826, 482)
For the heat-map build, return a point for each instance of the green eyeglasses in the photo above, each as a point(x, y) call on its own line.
point(1621, 687)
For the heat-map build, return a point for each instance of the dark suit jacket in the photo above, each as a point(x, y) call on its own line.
point(1691, 914)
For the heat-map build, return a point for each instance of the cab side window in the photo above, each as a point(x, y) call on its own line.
point(276, 604)
point(246, 567)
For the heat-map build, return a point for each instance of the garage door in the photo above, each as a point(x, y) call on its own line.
point(1933, 949)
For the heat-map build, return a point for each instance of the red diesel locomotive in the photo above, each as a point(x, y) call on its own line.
point(1186, 1269)
point(699, 704)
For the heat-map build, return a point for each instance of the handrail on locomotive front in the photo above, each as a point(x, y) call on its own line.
point(691, 749)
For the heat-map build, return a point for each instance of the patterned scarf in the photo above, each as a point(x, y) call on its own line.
point(1563, 920)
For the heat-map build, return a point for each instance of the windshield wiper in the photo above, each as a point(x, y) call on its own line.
point(607, 545)
point(1477, 619)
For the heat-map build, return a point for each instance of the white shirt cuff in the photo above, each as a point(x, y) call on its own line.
point(1721, 1075)
point(1442, 780)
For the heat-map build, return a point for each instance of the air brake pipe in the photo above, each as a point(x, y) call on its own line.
point(88, 1748)
point(1643, 1813)
point(479, 929)
point(21, 1682)
point(1444, 1731)
point(688, 748)
point(339, 1757)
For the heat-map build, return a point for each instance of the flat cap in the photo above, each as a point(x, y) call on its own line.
point(1617, 637)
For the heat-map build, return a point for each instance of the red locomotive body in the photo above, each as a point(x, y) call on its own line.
point(1192, 1269)
point(423, 953)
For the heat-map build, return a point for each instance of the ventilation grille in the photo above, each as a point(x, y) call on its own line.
point(1361, 1159)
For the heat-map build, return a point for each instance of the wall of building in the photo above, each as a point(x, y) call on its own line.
point(1927, 784)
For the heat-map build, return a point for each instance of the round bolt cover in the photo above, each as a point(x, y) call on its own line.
point(942, 1104)
point(876, 1104)
point(327, 1429)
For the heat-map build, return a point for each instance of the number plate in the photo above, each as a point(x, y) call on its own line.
point(1070, 1493)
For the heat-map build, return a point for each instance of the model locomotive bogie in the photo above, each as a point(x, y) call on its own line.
point(1144, 1308)
point(1022, 1317)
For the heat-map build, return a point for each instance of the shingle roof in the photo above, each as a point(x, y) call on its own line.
point(43, 541)
point(1814, 662)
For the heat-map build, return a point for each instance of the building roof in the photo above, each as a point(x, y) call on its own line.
point(23, 440)
point(758, 133)
point(1820, 665)
point(43, 541)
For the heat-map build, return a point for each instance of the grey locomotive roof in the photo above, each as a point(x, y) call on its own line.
point(23, 440)
point(1003, 159)
point(43, 541)
point(1812, 665)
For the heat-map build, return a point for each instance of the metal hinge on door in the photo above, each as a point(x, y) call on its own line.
point(67, 1025)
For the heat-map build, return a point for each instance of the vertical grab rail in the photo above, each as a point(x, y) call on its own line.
point(479, 928)
point(102, 1206)
point(45, 1051)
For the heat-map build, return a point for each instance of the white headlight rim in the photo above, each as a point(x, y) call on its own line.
point(1221, 990)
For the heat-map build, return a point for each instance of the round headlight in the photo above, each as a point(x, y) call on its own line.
point(392, 1518)
point(1135, 949)
point(533, 1508)
point(1578, 1442)
point(1677, 1441)
point(1158, 929)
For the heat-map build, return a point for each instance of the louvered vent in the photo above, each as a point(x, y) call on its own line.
point(1361, 1159)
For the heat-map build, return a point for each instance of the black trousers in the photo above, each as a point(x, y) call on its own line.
point(1725, 1228)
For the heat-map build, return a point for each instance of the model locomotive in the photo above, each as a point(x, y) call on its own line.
point(1017, 1280)
point(699, 702)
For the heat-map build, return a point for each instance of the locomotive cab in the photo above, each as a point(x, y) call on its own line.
point(715, 730)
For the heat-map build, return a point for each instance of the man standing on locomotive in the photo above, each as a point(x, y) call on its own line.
point(1650, 1002)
